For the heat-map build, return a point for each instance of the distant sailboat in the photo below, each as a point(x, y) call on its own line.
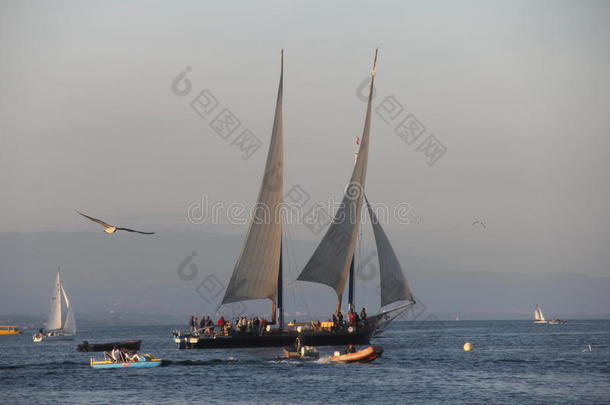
point(60, 323)
point(539, 316)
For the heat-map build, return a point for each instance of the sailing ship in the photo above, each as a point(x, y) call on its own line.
point(539, 318)
point(60, 323)
point(258, 273)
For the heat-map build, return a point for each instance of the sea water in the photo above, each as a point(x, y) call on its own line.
point(423, 363)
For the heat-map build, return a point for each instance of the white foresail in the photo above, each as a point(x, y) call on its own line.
point(70, 324)
point(54, 319)
point(330, 263)
point(538, 315)
point(256, 271)
point(394, 285)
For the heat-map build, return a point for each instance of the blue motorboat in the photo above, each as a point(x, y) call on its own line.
point(143, 360)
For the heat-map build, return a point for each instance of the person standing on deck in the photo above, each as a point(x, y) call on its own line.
point(363, 315)
point(351, 318)
point(298, 344)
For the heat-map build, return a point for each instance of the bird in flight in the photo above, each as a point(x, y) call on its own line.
point(111, 228)
point(480, 223)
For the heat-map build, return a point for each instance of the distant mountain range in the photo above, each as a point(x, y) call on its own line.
point(178, 273)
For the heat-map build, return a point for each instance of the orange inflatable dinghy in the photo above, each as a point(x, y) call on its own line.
point(362, 356)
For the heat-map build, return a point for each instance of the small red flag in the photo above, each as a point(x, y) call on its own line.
point(357, 140)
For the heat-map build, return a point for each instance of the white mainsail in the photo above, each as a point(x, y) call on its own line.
point(54, 319)
point(538, 315)
point(394, 285)
point(58, 320)
point(256, 271)
point(330, 263)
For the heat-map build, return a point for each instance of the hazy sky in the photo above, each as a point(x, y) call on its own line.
point(517, 91)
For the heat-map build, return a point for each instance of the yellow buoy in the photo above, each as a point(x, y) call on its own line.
point(468, 347)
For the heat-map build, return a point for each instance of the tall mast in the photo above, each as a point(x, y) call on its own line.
point(331, 262)
point(255, 275)
point(351, 298)
point(280, 283)
point(280, 291)
point(277, 306)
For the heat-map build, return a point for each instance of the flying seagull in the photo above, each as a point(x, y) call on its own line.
point(480, 222)
point(111, 228)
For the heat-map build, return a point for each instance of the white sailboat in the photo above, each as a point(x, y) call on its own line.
point(539, 316)
point(60, 324)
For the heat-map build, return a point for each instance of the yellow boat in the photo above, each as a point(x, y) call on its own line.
point(10, 330)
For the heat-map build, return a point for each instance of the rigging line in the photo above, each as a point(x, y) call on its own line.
point(298, 288)
point(288, 244)
point(363, 248)
point(358, 267)
point(295, 286)
point(293, 269)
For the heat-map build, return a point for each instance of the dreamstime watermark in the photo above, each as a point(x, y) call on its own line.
point(295, 209)
point(406, 126)
point(225, 123)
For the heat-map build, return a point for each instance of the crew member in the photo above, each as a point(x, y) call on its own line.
point(350, 349)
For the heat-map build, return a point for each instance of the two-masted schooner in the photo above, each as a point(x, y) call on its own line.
point(258, 272)
point(539, 318)
point(60, 324)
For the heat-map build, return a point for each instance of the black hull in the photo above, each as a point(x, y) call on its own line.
point(281, 339)
point(106, 347)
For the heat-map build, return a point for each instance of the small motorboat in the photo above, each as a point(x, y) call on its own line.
point(362, 356)
point(132, 345)
point(557, 322)
point(182, 337)
point(144, 360)
point(306, 352)
point(51, 336)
